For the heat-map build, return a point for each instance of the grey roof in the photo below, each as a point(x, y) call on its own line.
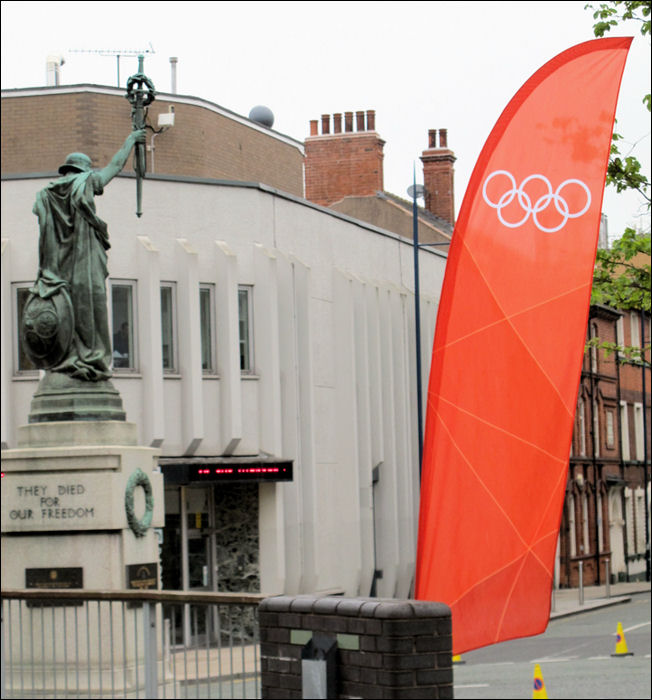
point(437, 221)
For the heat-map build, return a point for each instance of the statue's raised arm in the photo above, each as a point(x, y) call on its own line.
point(119, 160)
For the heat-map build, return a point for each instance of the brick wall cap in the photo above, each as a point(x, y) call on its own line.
point(378, 608)
point(349, 607)
point(326, 606)
point(280, 603)
point(303, 603)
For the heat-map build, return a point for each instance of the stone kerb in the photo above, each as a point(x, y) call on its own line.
point(386, 648)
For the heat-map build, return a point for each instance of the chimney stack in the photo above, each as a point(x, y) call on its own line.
point(173, 74)
point(341, 163)
point(53, 65)
point(438, 174)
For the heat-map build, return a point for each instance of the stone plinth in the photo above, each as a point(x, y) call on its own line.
point(80, 497)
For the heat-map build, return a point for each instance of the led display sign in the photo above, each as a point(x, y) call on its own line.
point(223, 472)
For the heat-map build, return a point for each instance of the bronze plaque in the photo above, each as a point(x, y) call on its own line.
point(142, 576)
point(55, 577)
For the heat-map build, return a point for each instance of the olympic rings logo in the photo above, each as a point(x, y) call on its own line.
point(525, 201)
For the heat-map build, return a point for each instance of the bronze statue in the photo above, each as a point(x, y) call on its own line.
point(65, 322)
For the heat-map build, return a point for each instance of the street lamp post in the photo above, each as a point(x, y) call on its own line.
point(417, 191)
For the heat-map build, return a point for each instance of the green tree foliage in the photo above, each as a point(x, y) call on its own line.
point(622, 273)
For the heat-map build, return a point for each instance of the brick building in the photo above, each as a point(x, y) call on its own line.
point(605, 512)
point(41, 126)
point(344, 171)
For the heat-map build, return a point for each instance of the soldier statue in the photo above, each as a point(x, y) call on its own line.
point(65, 322)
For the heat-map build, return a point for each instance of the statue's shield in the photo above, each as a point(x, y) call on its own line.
point(47, 328)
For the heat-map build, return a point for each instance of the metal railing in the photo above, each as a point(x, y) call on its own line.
point(110, 644)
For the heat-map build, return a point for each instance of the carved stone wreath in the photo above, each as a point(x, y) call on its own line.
point(139, 526)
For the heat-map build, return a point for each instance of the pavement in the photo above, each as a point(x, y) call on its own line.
point(566, 601)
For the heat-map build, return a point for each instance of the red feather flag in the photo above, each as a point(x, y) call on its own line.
point(508, 349)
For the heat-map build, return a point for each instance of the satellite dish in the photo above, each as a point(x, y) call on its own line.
point(416, 191)
point(262, 115)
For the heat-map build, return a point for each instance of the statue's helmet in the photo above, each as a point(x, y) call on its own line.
point(76, 163)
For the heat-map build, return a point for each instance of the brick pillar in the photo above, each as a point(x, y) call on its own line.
point(438, 175)
point(385, 648)
point(343, 163)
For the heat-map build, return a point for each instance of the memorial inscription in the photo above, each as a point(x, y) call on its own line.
point(51, 502)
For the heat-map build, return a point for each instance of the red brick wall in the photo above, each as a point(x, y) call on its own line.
point(343, 163)
point(438, 177)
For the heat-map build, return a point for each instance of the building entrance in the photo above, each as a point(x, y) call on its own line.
point(210, 543)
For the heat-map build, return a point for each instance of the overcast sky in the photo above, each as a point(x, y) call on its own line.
point(420, 65)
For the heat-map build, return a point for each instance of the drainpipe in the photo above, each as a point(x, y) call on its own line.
point(594, 461)
point(623, 510)
point(645, 455)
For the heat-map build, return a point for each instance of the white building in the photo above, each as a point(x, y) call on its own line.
point(266, 334)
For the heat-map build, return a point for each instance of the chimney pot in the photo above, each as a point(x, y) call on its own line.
point(325, 123)
point(314, 127)
point(438, 176)
point(348, 121)
point(371, 120)
point(337, 123)
point(360, 121)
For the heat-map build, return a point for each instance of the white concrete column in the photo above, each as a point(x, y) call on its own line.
point(346, 427)
point(386, 503)
point(266, 337)
point(376, 384)
point(271, 496)
point(228, 356)
point(297, 423)
point(271, 539)
point(188, 322)
point(363, 420)
point(6, 338)
point(405, 457)
point(149, 341)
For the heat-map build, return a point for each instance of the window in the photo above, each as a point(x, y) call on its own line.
point(122, 323)
point(620, 333)
point(594, 350)
point(168, 327)
point(635, 329)
point(23, 365)
point(610, 430)
point(596, 429)
point(639, 495)
point(630, 521)
point(638, 431)
point(624, 432)
point(207, 327)
point(245, 325)
point(572, 532)
point(581, 426)
point(586, 543)
point(598, 516)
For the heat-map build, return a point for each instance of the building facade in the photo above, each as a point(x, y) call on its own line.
point(605, 523)
point(263, 343)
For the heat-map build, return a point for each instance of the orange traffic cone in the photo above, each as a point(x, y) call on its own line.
point(621, 644)
point(539, 689)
